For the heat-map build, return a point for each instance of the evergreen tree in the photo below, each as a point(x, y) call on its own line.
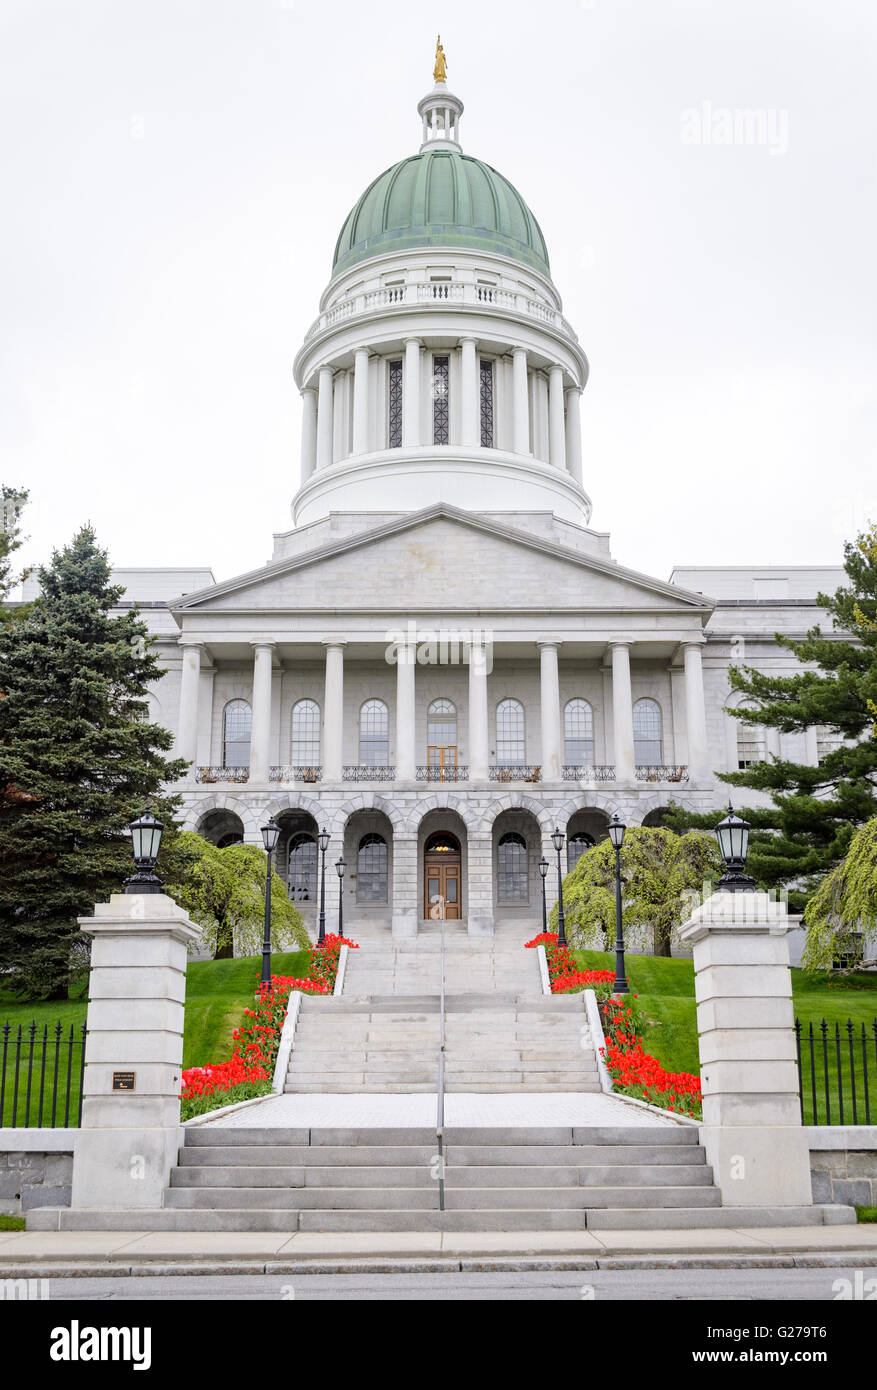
point(815, 809)
point(12, 503)
point(78, 761)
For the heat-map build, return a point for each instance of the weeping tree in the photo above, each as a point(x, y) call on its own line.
point(843, 908)
point(223, 891)
point(660, 873)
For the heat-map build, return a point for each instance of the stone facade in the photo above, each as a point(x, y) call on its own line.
point(32, 1178)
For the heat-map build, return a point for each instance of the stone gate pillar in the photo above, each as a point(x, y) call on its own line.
point(130, 1132)
point(751, 1128)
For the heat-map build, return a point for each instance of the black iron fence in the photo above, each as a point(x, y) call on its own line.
point(41, 1073)
point(837, 1069)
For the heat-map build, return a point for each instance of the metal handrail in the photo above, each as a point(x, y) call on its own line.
point(440, 1098)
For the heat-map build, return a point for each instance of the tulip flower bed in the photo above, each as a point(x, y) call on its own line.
point(250, 1069)
point(563, 973)
point(634, 1072)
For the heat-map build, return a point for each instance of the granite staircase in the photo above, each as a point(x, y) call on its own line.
point(231, 1178)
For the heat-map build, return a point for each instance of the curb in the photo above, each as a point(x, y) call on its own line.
point(162, 1267)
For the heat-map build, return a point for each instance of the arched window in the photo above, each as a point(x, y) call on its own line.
point(511, 869)
point(236, 724)
point(578, 734)
point(371, 868)
point(510, 733)
point(302, 869)
point(441, 724)
point(576, 846)
point(751, 744)
point(647, 749)
point(374, 738)
point(306, 733)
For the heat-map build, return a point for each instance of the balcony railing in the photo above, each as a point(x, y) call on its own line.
point(516, 302)
point(649, 773)
point(519, 773)
point(295, 774)
point(589, 772)
point(365, 772)
point(460, 773)
point(222, 774)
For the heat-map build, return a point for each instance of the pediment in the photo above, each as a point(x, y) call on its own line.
point(442, 558)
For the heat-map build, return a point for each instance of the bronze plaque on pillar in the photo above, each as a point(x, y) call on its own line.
point(124, 1080)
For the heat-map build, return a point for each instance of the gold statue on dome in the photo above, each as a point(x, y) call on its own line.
point(440, 71)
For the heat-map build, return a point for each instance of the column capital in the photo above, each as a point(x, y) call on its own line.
point(696, 642)
point(549, 642)
point(261, 642)
point(467, 338)
point(329, 642)
point(412, 341)
point(192, 643)
point(619, 642)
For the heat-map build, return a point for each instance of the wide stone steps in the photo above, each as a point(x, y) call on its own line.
point(390, 1044)
point(522, 1179)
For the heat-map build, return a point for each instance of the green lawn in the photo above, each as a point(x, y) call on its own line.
point(217, 992)
point(665, 990)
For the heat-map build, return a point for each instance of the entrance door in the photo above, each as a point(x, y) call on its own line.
point(443, 874)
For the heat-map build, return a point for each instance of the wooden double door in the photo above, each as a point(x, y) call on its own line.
point(443, 875)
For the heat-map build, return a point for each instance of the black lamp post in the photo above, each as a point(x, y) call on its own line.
point(340, 866)
point(323, 842)
point(270, 836)
point(145, 839)
point(557, 840)
point(616, 835)
point(733, 836)
point(543, 869)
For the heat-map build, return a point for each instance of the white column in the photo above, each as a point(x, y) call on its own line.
point(556, 428)
point(550, 711)
point(360, 401)
point(187, 722)
point(260, 729)
point(622, 712)
point(477, 712)
point(520, 403)
point(308, 433)
point(411, 394)
point(333, 713)
point(574, 432)
point(405, 712)
point(325, 419)
point(695, 712)
point(469, 394)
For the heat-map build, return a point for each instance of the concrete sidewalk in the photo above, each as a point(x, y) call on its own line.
point(66, 1253)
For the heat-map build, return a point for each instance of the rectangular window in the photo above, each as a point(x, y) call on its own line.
point(440, 400)
point(486, 401)
point(394, 406)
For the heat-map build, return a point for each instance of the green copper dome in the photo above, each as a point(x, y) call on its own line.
point(441, 198)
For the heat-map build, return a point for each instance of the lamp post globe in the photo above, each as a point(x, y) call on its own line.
point(270, 836)
point(146, 833)
point(616, 836)
point(732, 834)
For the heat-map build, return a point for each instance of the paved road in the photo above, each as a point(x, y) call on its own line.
point(724, 1284)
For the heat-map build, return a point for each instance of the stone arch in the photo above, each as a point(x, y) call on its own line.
point(600, 801)
point(221, 801)
point(518, 801)
point(296, 801)
point(660, 803)
point(443, 801)
point(367, 801)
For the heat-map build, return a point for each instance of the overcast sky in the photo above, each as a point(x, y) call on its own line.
point(175, 174)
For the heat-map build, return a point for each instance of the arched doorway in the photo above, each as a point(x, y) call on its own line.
point(443, 873)
point(222, 828)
